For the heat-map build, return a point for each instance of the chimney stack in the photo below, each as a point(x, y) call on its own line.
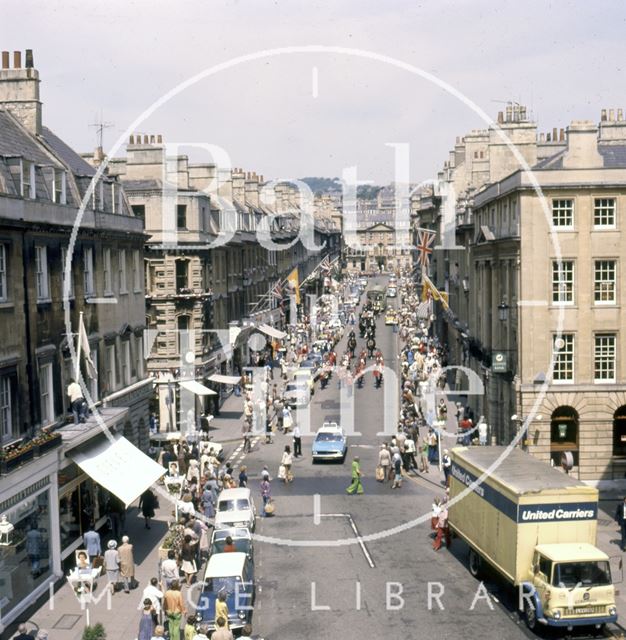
point(582, 146)
point(19, 90)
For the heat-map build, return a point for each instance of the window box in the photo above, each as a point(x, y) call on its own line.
point(46, 442)
point(14, 456)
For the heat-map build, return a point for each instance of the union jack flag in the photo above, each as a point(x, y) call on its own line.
point(425, 239)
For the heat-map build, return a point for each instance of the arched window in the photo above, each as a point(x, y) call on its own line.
point(619, 432)
point(564, 434)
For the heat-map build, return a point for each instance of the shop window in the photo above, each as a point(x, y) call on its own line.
point(564, 434)
point(619, 432)
point(25, 562)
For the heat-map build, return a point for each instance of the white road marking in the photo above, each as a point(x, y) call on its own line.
point(366, 553)
point(317, 505)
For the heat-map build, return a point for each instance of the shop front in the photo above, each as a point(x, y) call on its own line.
point(29, 536)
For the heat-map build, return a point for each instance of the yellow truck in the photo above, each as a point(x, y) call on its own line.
point(536, 527)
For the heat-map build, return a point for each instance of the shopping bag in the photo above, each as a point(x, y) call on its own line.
point(282, 472)
point(270, 508)
point(380, 473)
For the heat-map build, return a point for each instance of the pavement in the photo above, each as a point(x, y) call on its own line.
point(330, 565)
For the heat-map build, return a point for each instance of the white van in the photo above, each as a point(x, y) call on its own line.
point(235, 508)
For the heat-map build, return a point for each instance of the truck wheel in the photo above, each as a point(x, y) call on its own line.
point(474, 563)
point(530, 615)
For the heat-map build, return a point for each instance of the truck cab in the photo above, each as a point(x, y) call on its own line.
point(570, 586)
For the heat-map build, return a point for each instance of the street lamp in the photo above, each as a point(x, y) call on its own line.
point(503, 311)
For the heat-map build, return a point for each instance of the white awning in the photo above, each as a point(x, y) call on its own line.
point(197, 388)
point(218, 377)
point(270, 331)
point(119, 467)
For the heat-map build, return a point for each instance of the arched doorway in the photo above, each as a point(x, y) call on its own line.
point(619, 432)
point(564, 434)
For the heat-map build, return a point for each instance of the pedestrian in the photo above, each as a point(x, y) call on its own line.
point(222, 632)
point(434, 513)
point(188, 558)
point(147, 504)
point(91, 540)
point(356, 486)
point(482, 432)
point(286, 462)
point(190, 628)
point(112, 565)
point(297, 442)
point(409, 454)
point(243, 477)
point(22, 633)
point(384, 460)
point(174, 608)
point(443, 530)
point(155, 595)
point(432, 446)
point(159, 632)
point(423, 450)
point(77, 401)
point(221, 611)
point(396, 462)
point(203, 633)
point(127, 564)
point(287, 419)
point(207, 502)
point(169, 569)
point(146, 621)
point(42, 634)
point(266, 492)
point(446, 462)
point(620, 518)
point(246, 632)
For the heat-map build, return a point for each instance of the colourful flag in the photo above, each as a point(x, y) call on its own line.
point(294, 284)
point(86, 349)
point(425, 239)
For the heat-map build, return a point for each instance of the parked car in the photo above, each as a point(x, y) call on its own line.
point(232, 573)
point(235, 508)
point(241, 537)
point(330, 443)
point(303, 376)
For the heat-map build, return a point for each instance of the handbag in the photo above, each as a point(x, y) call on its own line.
point(270, 508)
point(380, 473)
point(282, 472)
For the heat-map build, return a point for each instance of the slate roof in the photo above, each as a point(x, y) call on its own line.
point(16, 141)
point(77, 165)
point(614, 157)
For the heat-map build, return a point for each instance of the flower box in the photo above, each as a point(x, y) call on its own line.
point(13, 460)
point(44, 444)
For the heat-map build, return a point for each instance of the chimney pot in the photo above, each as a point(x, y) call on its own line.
point(611, 115)
point(603, 115)
point(620, 115)
point(554, 134)
point(500, 117)
point(5, 59)
point(152, 139)
point(561, 135)
point(522, 113)
point(29, 59)
point(159, 138)
point(131, 139)
point(145, 139)
point(548, 139)
point(17, 59)
point(509, 111)
point(542, 137)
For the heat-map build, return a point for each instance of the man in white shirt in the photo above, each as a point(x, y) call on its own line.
point(155, 595)
point(169, 570)
point(77, 402)
point(297, 442)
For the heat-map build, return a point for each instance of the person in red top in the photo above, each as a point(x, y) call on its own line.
point(229, 547)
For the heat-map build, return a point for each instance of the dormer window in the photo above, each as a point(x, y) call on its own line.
point(59, 188)
point(28, 180)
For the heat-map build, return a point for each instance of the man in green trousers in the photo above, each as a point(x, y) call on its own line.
point(356, 486)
